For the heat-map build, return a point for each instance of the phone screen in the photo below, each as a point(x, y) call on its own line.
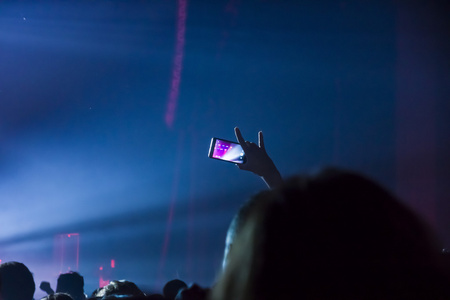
point(227, 151)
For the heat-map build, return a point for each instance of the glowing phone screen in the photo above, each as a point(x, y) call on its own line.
point(228, 151)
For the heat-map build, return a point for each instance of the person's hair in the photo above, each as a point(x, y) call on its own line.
point(58, 296)
point(240, 218)
point(17, 281)
point(236, 226)
point(71, 283)
point(333, 235)
point(119, 287)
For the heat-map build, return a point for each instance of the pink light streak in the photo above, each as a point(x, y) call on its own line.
point(171, 212)
point(102, 282)
point(78, 247)
point(67, 251)
point(177, 63)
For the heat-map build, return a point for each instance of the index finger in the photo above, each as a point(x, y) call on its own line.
point(240, 138)
point(261, 140)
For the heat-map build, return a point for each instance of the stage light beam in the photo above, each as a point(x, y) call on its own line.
point(177, 63)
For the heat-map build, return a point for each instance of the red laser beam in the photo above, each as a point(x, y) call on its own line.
point(177, 63)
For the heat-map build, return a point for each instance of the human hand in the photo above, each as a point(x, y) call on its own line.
point(258, 161)
point(45, 286)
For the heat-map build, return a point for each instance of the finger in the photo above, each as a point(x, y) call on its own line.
point(261, 140)
point(240, 138)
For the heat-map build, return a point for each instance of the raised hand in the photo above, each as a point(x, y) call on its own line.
point(258, 161)
point(45, 286)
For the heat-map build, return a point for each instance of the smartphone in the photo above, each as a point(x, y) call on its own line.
point(227, 151)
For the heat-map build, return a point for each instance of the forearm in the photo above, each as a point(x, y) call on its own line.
point(272, 178)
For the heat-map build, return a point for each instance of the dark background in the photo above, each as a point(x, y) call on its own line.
point(98, 138)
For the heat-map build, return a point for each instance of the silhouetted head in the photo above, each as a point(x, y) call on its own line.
point(119, 287)
point(71, 283)
point(17, 281)
point(333, 235)
point(172, 288)
point(58, 296)
point(193, 292)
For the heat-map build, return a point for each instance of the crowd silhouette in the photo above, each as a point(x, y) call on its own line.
point(335, 234)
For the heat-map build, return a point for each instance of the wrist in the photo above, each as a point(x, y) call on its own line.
point(273, 178)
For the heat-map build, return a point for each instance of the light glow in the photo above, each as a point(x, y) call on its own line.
point(177, 63)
